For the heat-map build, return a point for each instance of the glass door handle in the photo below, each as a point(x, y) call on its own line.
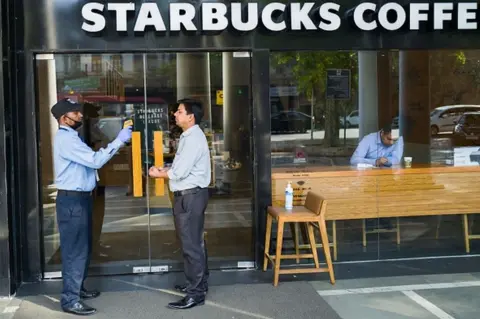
point(137, 164)
point(158, 158)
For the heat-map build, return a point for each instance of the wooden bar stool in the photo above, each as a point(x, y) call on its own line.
point(312, 212)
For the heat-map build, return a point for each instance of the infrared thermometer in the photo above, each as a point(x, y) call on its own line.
point(127, 123)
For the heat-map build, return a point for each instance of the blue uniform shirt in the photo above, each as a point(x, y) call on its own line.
point(75, 163)
point(371, 148)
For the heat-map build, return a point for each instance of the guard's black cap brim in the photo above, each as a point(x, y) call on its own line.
point(65, 106)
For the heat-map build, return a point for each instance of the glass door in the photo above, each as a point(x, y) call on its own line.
point(132, 221)
point(221, 82)
point(106, 86)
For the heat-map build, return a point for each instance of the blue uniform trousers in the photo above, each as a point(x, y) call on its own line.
point(74, 218)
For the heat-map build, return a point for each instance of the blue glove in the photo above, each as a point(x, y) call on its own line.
point(125, 134)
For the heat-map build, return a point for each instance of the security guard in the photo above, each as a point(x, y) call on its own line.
point(75, 177)
point(188, 178)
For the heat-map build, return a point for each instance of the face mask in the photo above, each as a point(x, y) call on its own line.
point(77, 124)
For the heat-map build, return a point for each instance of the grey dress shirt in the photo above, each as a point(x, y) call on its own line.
point(191, 166)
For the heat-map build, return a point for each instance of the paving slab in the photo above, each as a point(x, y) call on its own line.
point(459, 303)
point(396, 281)
point(391, 305)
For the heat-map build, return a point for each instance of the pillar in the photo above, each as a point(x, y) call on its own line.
point(414, 100)
point(368, 93)
point(47, 93)
point(47, 97)
point(236, 119)
point(384, 76)
point(193, 80)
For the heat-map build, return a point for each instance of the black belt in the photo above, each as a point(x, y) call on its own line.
point(187, 191)
point(73, 193)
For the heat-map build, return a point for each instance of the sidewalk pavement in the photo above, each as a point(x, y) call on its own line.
point(146, 296)
point(250, 294)
point(8, 307)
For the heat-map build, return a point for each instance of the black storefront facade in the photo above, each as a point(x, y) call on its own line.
point(35, 32)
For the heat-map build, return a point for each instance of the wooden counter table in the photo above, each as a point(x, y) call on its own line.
point(360, 193)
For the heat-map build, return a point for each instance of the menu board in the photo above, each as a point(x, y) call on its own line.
point(338, 84)
point(153, 117)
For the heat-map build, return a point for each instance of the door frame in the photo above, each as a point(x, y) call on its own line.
point(261, 186)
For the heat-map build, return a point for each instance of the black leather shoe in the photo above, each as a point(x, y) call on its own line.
point(89, 294)
point(183, 288)
point(81, 309)
point(186, 303)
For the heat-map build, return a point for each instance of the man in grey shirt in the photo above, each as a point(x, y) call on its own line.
point(189, 178)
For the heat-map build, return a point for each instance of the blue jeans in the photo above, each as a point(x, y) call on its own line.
point(74, 218)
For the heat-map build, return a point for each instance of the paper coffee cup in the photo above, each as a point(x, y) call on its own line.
point(408, 161)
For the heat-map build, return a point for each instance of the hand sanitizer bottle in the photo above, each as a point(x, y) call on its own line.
point(289, 196)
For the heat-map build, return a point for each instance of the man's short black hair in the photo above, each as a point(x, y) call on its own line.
point(387, 129)
point(194, 107)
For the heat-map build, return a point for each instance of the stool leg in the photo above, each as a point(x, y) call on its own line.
point(466, 233)
point(364, 233)
point(278, 254)
point(439, 221)
point(294, 229)
point(334, 237)
point(303, 230)
point(326, 249)
point(268, 234)
point(398, 231)
point(313, 245)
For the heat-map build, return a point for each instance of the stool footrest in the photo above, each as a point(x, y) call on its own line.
point(306, 246)
point(291, 256)
point(302, 270)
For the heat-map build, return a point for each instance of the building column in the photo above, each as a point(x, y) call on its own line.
point(384, 78)
point(193, 80)
point(47, 97)
point(414, 100)
point(368, 93)
point(236, 119)
point(47, 92)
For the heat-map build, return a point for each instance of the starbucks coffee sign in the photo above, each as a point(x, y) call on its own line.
point(277, 17)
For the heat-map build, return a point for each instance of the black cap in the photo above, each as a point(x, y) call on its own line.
point(64, 106)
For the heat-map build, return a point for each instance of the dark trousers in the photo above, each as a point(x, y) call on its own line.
point(74, 217)
point(189, 216)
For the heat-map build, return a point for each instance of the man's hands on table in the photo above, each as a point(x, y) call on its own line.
point(381, 161)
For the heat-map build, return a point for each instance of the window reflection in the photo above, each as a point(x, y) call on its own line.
point(395, 195)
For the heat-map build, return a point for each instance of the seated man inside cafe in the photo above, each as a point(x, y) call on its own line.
point(379, 149)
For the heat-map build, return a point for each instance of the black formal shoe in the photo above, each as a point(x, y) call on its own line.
point(186, 303)
point(81, 309)
point(183, 288)
point(89, 294)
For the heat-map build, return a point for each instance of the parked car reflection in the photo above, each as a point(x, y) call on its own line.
point(352, 120)
point(443, 118)
point(467, 130)
point(290, 122)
